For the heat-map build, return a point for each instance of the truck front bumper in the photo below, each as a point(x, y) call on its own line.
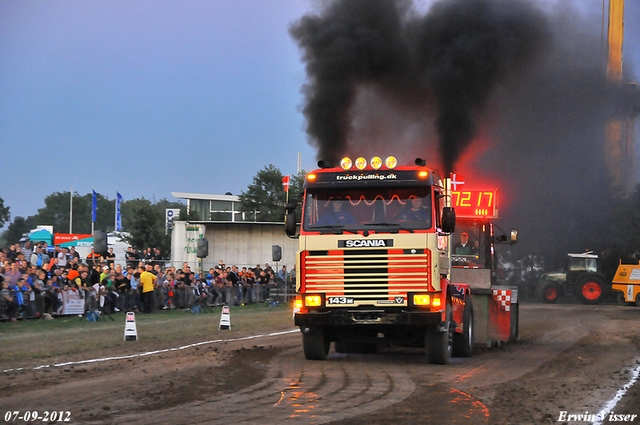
point(369, 318)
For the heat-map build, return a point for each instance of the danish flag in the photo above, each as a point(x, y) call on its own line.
point(285, 181)
point(456, 179)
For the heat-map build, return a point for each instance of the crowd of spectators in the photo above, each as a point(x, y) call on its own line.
point(32, 279)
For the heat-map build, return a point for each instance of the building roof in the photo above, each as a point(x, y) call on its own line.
point(244, 223)
point(205, 196)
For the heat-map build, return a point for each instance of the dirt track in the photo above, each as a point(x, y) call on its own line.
point(570, 358)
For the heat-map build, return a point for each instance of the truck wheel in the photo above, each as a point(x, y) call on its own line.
point(549, 292)
point(439, 344)
point(591, 290)
point(638, 300)
point(463, 343)
point(315, 343)
point(515, 322)
point(621, 299)
point(354, 347)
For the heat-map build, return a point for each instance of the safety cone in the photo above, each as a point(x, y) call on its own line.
point(225, 318)
point(130, 330)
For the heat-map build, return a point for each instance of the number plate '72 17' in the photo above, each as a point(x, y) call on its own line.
point(339, 300)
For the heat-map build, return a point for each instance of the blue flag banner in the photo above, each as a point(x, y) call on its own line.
point(94, 206)
point(118, 218)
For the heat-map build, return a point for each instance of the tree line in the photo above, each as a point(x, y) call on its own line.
point(144, 219)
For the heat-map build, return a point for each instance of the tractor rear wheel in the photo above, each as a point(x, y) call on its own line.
point(591, 290)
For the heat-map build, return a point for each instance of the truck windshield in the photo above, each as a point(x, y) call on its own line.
point(373, 209)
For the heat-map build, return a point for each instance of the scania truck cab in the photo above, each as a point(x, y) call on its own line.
point(375, 262)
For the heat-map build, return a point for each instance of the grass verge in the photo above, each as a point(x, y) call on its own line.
point(69, 338)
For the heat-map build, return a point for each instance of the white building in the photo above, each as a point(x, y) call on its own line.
point(232, 236)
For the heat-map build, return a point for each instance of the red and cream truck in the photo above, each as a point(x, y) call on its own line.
point(380, 260)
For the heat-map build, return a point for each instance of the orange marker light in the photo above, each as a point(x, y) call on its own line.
point(423, 174)
point(421, 299)
point(436, 302)
point(311, 177)
point(313, 300)
point(297, 306)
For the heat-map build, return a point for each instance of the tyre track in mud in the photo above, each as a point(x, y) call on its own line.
point(297, 391)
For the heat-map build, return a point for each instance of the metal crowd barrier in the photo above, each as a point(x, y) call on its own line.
point(32, 306)
point(35, 305)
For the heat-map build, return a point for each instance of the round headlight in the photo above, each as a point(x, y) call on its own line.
point(376, 162)
point(346, 163)
point(391, 162)
point(361, 163)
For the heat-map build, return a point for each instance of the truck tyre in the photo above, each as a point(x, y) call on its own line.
point(591, 290)
point(549, 292)
point(439, 344)
point(515, 322)
point(315, 343)
point(463, 343)
point(638, 300)
point(621, 299)
point(354, 347)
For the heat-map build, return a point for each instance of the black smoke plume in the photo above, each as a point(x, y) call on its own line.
point(441, 66)
point(510, 94)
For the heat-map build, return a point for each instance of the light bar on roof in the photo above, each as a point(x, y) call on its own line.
point(391, 162)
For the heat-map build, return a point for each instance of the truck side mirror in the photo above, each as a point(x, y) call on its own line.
point(500, 239)
point(448, 220)
point(290, 219)
point(514, 236)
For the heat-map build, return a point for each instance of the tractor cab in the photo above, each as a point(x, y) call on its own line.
point(579, 264)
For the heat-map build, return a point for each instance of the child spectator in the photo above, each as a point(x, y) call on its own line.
point(169, 288)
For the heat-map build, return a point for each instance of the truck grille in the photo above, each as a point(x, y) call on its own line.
point(368, 275)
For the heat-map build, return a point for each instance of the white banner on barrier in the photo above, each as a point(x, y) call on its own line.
point(72, 303)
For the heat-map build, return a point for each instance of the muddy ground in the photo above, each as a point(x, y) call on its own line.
point(570, 358)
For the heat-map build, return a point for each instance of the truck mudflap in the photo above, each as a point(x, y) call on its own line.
point(368, 317)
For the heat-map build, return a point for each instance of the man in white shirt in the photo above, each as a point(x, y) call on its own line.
point(62, 258)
